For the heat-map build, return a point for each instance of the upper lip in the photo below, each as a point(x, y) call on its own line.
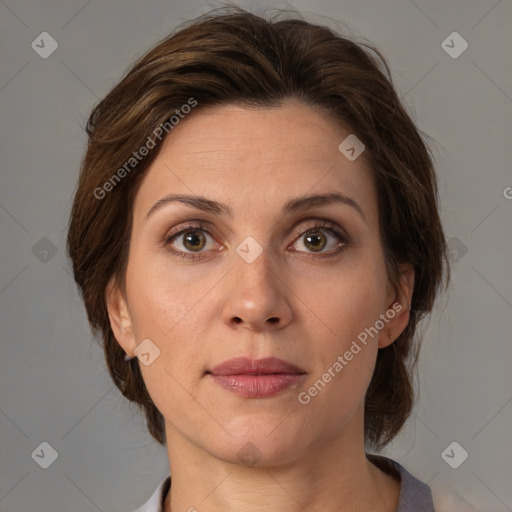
point(247, 366)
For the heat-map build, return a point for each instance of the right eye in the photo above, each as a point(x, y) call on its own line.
point(191, 241)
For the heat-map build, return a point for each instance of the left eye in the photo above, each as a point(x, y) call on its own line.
point(315, 239)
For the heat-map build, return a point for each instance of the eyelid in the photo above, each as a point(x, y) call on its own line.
point(333, 229)
point(189, 226)
point(319, 224)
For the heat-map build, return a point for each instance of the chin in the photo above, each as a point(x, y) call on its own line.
point(260, 445)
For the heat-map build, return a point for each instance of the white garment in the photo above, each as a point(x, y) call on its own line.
point(154, 504)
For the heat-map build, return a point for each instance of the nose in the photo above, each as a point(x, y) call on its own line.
point(256, 297)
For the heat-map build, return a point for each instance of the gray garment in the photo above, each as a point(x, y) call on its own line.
point(415, 496)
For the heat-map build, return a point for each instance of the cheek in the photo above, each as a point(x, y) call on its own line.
point(161, 299)
point(169, 309)
point(345, 355)
point(345, 347)
point(165, 310)
point(347, 301)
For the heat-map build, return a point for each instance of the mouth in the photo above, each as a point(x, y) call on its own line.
point(257, 378)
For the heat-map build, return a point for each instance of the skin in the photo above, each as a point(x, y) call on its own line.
point(284, 304)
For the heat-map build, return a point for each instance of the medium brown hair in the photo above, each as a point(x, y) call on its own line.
point(235, 57)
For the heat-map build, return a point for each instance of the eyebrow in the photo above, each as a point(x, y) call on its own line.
point(298, 204)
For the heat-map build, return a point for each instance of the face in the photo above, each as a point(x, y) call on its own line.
point(266, 275)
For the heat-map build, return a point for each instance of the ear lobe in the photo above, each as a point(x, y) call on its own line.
point(119, 316)
point(399, 307)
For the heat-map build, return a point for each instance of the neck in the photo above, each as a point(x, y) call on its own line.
point(333, 475)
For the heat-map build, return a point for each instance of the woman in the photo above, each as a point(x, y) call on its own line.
point(256, 236)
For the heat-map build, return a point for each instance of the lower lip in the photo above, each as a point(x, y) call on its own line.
point(258, 386)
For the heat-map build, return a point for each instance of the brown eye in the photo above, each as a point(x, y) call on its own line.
point(194, 240)
point(323, 239)
point(315, 241)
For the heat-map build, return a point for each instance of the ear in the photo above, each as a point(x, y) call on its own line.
point(399, 303)
point(120, 319)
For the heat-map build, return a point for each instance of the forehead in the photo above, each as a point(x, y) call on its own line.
point(251, 157)
point(228, 134)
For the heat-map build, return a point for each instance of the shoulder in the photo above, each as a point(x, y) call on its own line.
point(447, 500)
point(155, 502)
point(415, 495)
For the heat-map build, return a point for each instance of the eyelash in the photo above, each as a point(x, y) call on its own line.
point(319, 225)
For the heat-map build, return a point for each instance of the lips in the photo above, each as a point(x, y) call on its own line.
point(256, 378)
point(246, 366)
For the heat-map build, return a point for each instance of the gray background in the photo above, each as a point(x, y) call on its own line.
point(54, 384)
